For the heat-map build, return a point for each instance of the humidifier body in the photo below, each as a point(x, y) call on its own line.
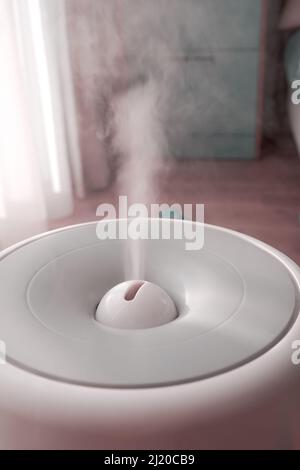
point(218, 375)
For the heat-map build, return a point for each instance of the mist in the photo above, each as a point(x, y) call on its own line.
point(130, 63)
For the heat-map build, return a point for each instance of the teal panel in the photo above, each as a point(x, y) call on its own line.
point(292, 57)
point(220, 24)
point(215, 97)
point(197, 146)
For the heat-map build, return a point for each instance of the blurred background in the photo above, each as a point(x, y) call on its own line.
point(224, 70)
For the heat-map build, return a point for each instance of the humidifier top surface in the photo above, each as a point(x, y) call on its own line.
point(235, 298)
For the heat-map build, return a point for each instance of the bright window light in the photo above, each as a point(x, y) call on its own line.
point(45, 91)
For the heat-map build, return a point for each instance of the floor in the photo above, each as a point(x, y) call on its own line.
point(260, 198)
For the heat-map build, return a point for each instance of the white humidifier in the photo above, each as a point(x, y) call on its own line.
point(196, 355)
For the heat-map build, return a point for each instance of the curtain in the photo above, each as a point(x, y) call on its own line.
point(40, 163)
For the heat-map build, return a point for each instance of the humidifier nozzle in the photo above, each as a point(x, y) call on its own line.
point(136, 304)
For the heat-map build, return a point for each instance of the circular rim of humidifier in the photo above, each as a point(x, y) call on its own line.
point(236, 299)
